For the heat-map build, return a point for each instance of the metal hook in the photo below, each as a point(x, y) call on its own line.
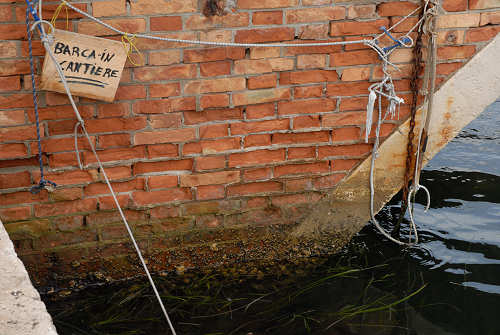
point(413, 192)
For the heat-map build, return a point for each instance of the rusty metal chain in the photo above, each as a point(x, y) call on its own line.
point(417, 69)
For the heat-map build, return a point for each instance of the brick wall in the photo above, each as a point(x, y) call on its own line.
point(202, 144)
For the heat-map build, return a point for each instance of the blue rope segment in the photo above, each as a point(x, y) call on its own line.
point(43, 182)
point(398, 43)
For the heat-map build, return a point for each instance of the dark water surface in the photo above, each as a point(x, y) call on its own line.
point(450, 284)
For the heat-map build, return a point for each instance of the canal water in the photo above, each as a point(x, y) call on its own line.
point(449, 284)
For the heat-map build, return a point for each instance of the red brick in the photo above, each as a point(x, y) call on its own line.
point(65, 208)
point(454, 5)
point(149, 167)
point(299, 138)
point(13, 67)
point(158, 197)
point(267, 18)
point(306, 106)
point(261, 96)
point(212, 115)
point(64, 159)
point(490, 18)
point(305, 77)
point(214, 101)
point(456, 52)
point(10, 151)
point(130, 92)
point(314, 32)
point(164, 90)
point(346, 89)
point(214, 131)
point(306, 121)
point(297, 169)
point(257, 140)
point(300, 184)
point(15, 213)
point(66, 194)
point(165, 136)
point(357, 28)
point(311, 61)
point(168, 57)
point(448, 68)
point(113, 110)
point(106, 203)
point(214, 69)
point(183, 71)
point(228, 20)
point(117, 154)
point(257, 157)
point(214, 54)
point(328, 181)
point(260, 126)
point(183, 104)
point(308, 15)
point(155, 182)
point(308, 92)
point(361, 11)
point(264, 81)
point(14, 180)
point(260, 111)
point(343, 119)
point(349, 104)
point(12, 83)
point(171, 120)
point(354, 150)
point(397, 8)
point(459, 20)
point(320, 49)
point(115, 124)
point(126, 186)
point(162, 8)
point(212, 178)
point(215, 85)
point(481, 34)
point(109, 8)
point(152, 107)
point(17, 198)
point(210, 163)
point(212, 147)
point(16, 100)
point(12, 31)
point(251, 4)
point(483, 4)
point(257, 174)
point(209, 192)
point(346, 134)
point(129, 25)
point(254, 188)
point(165, 23)
point(356, 74)
point(301, 153)
point(353, 58)
point(343, 164)
point(162, 150)
point(19, 133)
point(264, 35)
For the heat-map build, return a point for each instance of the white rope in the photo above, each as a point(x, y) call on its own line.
point(46, 43)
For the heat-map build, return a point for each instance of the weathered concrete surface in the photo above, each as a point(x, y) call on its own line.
point(459, 101)
point(21, 310)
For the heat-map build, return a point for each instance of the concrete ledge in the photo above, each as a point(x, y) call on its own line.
point(21, 310)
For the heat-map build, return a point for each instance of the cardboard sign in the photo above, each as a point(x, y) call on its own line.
point(93, 66)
